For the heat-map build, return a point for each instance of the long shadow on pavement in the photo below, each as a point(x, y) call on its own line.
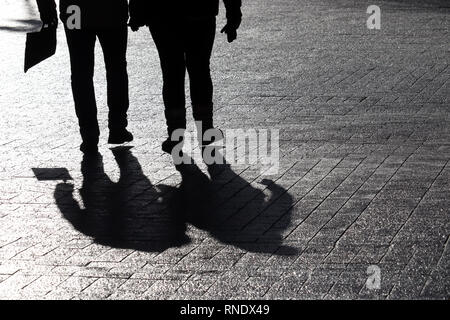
point(135, 214)
point(232, 210)
point(126, 214)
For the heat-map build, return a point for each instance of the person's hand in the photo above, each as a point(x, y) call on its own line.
point(230, 31)
point(233, 22)
point(134, 25)
point(137, 14)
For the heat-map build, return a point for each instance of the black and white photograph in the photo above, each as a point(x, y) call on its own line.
point(227, 156)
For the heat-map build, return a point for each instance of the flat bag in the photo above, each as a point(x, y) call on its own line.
point(39, 46)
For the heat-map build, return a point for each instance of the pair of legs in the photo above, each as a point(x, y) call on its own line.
point(185, 44)
point(81, 45)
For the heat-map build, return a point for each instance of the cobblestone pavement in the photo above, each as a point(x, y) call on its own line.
point(364, 171)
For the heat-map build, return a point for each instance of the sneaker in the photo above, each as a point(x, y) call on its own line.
point(119, 136)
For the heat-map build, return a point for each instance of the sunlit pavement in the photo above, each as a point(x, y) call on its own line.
point(358, 209)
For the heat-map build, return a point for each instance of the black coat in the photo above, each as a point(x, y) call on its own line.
point(95, 14)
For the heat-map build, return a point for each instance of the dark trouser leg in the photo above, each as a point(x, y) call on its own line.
point(81, 45)
point(114, 45)
point(199, 43)
point(169, 42)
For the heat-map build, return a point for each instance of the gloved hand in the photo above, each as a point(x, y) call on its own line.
point(234, 19)
point(137, 14)
point(230, 32)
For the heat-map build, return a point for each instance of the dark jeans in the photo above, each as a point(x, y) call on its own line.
point(81, 48)
point(185, 44)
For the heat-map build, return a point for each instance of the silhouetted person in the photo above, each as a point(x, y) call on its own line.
point(128, 213)
point(85, 21)
point(184, 33)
